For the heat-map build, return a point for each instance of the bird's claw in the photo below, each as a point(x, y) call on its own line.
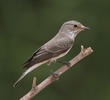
point(55, 76)
point(65, 63)
point(68, 64)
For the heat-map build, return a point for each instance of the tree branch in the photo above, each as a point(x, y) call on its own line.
point(37, 88)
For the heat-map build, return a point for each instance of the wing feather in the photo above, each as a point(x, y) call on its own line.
point(48, 51)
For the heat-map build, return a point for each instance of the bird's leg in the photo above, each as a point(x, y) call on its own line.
point(51, 70)
point(65, 63)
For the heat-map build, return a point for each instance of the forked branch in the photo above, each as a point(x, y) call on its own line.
point(37, 88)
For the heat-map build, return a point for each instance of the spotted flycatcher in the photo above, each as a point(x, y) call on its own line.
point(55, 48)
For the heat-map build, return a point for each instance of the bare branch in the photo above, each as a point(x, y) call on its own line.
point(37, 88)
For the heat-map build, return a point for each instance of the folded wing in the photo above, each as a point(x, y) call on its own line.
point(47, 52)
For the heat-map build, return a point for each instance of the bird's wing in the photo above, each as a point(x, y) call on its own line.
point(40, 55)
point(47, 52)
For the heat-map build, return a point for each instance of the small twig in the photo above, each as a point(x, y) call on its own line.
point(34, 82)
point(37, 88)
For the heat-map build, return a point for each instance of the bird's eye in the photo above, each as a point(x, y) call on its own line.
point(75, 25)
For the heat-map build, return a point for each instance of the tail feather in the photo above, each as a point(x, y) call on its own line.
point(28, 71)
point(21, 77)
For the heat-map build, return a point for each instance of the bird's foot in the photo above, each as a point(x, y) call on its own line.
point(55, 76)
point(65, 63)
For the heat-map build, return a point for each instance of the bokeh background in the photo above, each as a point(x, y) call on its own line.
point(25, 25)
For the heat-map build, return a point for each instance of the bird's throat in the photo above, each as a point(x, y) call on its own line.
point(71, 35)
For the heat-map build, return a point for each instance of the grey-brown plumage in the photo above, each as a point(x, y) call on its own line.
point(48, 51)
point(57, 47)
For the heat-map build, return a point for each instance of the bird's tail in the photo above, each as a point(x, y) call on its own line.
point(28, 71)
point(21, 77)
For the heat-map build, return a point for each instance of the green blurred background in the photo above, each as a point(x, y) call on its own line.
point(25, 25)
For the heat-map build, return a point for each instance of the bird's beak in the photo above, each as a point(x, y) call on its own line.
point(85, 28)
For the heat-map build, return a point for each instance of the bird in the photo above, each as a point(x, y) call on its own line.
point(55, 48)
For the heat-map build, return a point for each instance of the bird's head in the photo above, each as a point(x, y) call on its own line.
point(72, 28)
